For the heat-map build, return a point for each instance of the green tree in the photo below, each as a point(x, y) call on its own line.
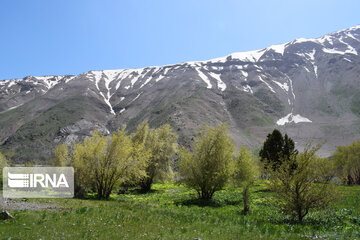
point(304, 188)
point(62, 156)
point(208, 168)
point(245, 174)
point(162, 145)
point(347, 163)
point(3, 163)
point(101, 163)
point(276, 149)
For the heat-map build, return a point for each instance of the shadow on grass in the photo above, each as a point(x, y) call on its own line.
point(199, 202)
point(207, 202)
point(137, 191)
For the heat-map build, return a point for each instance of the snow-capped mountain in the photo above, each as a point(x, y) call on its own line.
point(309, 88)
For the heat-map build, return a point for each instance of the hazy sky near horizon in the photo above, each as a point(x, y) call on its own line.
point(42, 37)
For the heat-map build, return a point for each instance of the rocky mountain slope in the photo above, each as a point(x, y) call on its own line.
point(309, 88)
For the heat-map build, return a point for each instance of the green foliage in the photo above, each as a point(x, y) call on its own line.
point(306, 187)
point(245, 174)
point(208, 168)
point(102, 163)
point(276, 149)
point(62, 156)
point(162, 145)
point(346, 160)
point(3, 163)
point(166, 213)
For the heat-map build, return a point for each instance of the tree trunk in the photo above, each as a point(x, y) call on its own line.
point(246, 200)
point(145, 185)
point(350, 180)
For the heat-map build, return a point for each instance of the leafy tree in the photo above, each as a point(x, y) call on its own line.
point(3, 163)
point(162, 145)
point(304, 188)
point(276, 149)
point(208, 168)
point(61, 156)
point(245, 174)
point(101, 163)
point(347, 162)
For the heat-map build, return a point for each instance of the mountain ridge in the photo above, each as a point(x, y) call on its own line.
point(306, 87)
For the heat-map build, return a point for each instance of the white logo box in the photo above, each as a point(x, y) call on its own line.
point(38, 182)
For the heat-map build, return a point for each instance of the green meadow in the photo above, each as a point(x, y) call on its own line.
point(172, 211)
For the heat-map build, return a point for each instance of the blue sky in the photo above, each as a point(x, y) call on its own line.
point(53, 37)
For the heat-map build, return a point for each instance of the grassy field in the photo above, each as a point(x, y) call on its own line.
point(172, 212)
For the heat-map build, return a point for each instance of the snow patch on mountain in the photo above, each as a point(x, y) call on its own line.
point(122, 75)
point(220, 83)
point(11, 83)
point(248, 89)
point(155, 70)
point(96, 75)
point(283, 86)
point(279, 48)
point(332, 51)
point(244, 73)
point(107, 76)
point(292, 118)
point(250, 56)
point(68, 79)
point(138, 73)
point(267, 84)
point(306, 69)
point(311, 57)
point(349, 49)
point(325, 39)
point(204, 78)
point(136, 97)
point(12, 108)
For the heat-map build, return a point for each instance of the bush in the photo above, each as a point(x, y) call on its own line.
point(162, 145)
point(245, 174)
point(306, 187)
point(101, 163)
point(347, 162)
point(3, 163)
point(208, 168)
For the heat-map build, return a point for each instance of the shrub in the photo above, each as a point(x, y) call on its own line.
point(101, 163)
point(304, 188)
point(3, 163)
point(208, 168)
point(347, 162)
point(162, 145)
point(245, 174)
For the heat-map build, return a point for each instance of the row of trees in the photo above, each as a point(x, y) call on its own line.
point(102, 163)
point(300, 181)
point(344, 164)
